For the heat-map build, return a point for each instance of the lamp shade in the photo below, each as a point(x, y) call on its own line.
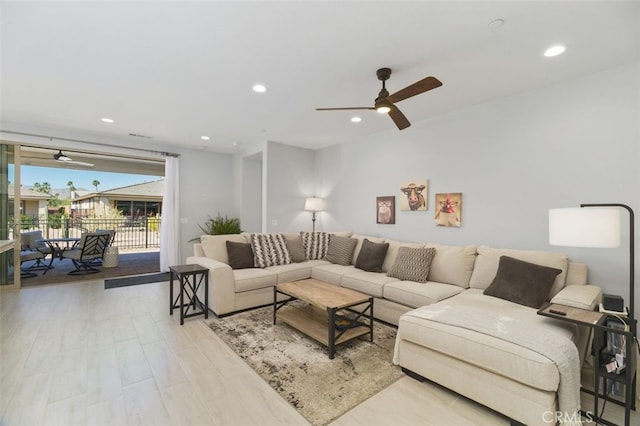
point(584, 227)
point(313, 204)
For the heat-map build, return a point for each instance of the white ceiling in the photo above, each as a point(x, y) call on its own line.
point(177, 70)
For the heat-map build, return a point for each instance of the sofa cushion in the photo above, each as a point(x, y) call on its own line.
point(215, 246)
point(488, 352)
point(371, 283)
point(412, 264)
point(522, 282)
point(296, 249)
point(415, 294)
point(340, 250)
point(294, 271)
point(240, 255)
point(253, 278)
point(371, 256)
point(360, 239)
point(331, 272)
point(452, 264)
point(269, 250)
point(392, 252)
point(488, 259)
point(315, 244)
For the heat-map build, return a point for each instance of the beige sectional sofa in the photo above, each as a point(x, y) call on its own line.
point(514, 380)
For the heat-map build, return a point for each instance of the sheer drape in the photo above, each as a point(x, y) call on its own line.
point(170, 229)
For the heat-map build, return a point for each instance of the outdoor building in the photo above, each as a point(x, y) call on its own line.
point(134, 201)
point(32, 203)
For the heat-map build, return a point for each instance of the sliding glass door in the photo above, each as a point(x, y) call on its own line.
point(9, 204)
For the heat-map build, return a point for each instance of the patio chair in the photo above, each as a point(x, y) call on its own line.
point(111, 232)
point(27, 256)
point(30, 244)
point(90, 249)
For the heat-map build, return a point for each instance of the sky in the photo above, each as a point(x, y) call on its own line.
point(82, 179)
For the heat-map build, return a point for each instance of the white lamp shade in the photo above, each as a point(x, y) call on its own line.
point(584, 227)
point(313, 204)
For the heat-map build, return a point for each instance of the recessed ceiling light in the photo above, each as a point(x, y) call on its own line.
point(554, 51)
point(259, 88)
point(107, 120)
point(496, 23)
point(205, 138)
point(356, 119)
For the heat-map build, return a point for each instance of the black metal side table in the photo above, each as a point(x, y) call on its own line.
point(191, 277)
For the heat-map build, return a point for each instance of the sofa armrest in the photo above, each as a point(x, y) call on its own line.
point(222, 285)
point(579, 296)
point(197, 250)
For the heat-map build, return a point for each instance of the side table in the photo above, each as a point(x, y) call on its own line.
point(190, 277)
point(597, 322)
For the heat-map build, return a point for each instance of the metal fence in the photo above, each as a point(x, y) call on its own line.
point(141, 233)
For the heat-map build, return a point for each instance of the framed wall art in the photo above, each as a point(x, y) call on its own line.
point(414, 195)
point(449, 209)
point(386, 210)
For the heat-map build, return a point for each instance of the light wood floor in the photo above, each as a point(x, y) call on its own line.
point(76, 354)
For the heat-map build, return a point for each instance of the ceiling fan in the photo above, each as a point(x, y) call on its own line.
point(385, 103)
point(61, 157)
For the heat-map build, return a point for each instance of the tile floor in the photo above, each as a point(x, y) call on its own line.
point(76, 354)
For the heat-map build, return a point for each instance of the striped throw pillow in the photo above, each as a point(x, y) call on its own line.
point(315, 244)
point(269, 250)
point(412, 264)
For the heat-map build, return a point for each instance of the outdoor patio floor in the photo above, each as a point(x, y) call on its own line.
point(129, 263)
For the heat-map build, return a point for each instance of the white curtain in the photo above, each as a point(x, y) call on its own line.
point(170, 228)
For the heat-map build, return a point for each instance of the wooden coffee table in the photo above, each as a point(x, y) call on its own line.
point(324, 303)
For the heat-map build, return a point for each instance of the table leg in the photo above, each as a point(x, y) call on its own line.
point(171, 301)
point(182, 290)
point(206, 295)
point(332, 332)
point(371, 318)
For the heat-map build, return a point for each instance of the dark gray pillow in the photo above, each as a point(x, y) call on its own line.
point(240, 255)
point(371, 256)
point(296, 250)
point(412, 264)
point(340, 250)
point(522, 282)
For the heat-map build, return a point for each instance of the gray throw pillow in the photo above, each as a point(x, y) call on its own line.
point(340, 250)
point(371, 256)
point(296, 250)
point(240, 255)
point(412, 264)
point(522, 282)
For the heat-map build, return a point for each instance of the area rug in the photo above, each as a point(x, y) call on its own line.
point(299, 368)
point(136, 280)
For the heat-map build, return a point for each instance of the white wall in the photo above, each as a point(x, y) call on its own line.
point(251, 211)
point(513, 159)
point(289, 177)
point(206, 182)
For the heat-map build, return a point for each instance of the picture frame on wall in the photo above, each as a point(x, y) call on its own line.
point(414, 195)
point(386, 210)
point(449, 209)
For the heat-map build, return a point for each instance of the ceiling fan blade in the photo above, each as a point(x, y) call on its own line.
point(80, 163)
point(416, 88)
point(342, 109)
point(398, 117)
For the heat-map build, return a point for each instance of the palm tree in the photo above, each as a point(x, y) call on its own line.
point(96, 183)
point(71, 189)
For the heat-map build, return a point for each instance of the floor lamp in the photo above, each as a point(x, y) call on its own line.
point(313, 205)
point(595, 227)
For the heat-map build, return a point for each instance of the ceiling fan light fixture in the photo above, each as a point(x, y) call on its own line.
point(383, 109)
point(60, 156)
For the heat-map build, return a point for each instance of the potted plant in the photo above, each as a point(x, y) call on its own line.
point(220, 226)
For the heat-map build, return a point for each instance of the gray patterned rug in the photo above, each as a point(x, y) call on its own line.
point(299, 368)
